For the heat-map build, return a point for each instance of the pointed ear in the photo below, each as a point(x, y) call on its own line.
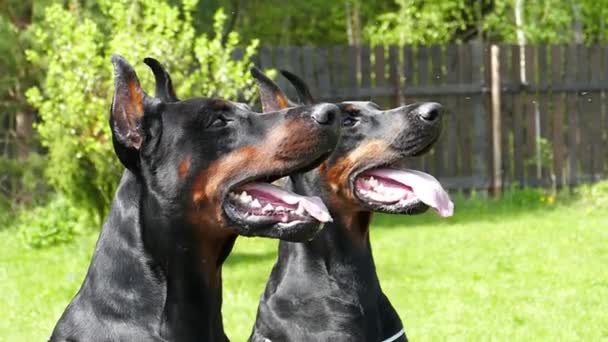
point(164, 90)
point(301, 87)
point(127, 105)
point(272, 97)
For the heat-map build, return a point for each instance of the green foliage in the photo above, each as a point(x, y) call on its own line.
point(420, 22)
point(74, 49)
point(441, 21)
point(594, 196)
point(58, 221)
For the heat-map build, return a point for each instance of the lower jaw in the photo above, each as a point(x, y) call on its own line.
point(408, 208)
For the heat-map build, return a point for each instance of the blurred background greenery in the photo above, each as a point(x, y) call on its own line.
point(55, 86)
point(57, 167)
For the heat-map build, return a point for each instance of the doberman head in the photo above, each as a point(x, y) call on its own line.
point(210, 162)
point(364, 173)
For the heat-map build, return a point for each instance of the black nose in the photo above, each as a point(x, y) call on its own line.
point(430, 111)
point(325, 114)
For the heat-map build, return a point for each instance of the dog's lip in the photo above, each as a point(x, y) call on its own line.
point(297, 208)
point(401, 188)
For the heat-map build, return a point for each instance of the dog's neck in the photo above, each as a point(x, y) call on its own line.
point(332, 278)
point(343, 244)
point(179, 275)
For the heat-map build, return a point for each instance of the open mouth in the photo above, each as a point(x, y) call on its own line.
point(402, 191)
point(264, 203)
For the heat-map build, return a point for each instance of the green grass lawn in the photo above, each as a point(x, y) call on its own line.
point(495, 271)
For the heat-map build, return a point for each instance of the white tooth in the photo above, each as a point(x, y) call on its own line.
point(244, 198)
point(364, 192)
point(373, 181)
point(380, 187)
point(255, 204)
point(268, 207)
point(280, 208)
point(300, 210)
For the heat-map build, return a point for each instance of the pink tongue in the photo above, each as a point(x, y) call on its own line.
point(313, 205)
point(425, 187)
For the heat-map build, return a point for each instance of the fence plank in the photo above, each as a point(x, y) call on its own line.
point(437, 78)
point(530, 113)
point(424, 71)
point(584, 151)
point(558, 109)
point(408, 71)
point(322, 72)
point(507, 114)
point(572, 115)
point(480, 115)
point(365, 68)
point(518, 110)
point(594, 112)
point(308, 71)
point(393, 75)
point(266, 61)
point(338, 72)
point(543, 110)
point(379, 64)
point(453, 106)
point(353, 73)
point(464, 127)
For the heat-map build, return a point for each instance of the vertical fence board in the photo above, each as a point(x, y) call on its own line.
point(558, 109)
point(507, 113)
point(353, 77)
point(437, 79)
point(572, 115)
point(308, 71)
point(518, 110)
point(322, 72)
point(530, 118)
point(543, 74)
point(480, 116)
point(594, 108)
point(365, 69)
point(464, 125)
point(295, 60)
point(582, 76)
point(424, 71)
point(393, 75)
point(453, 108)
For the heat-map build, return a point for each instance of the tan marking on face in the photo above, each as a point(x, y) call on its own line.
point(184, 167)
point(283, 147)
point(345, 207)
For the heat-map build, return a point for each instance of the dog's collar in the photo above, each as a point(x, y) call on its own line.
point(396, 336)
point(390, 339)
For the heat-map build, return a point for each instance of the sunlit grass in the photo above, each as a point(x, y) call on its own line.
point(502, 271)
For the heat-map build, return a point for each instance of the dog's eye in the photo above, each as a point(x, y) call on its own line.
point(219, 121)
point(349, 121)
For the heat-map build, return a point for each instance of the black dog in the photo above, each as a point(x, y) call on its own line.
point(327, 289)
point(156, 271)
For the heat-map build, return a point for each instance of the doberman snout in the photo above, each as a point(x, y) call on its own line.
point(325, 114)
point(430, 111)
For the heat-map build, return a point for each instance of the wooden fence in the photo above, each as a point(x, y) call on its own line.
point(550, 119)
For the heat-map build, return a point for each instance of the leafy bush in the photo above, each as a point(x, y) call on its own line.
point(74, 47)
point(594, 196)
point(56, 222)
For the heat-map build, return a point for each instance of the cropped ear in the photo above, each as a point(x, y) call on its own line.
point(272, 97)
point(301, 87)
point(127, 113)
point(164, 90)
